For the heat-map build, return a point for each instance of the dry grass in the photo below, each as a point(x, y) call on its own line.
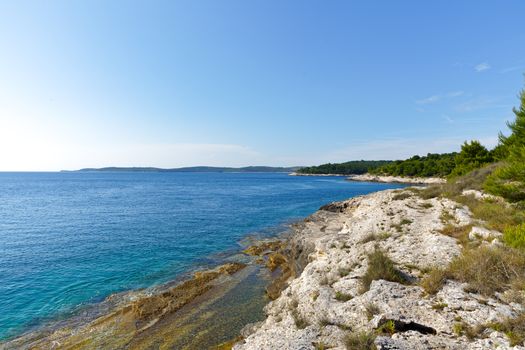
point(360, 341)
point(371, 310)
point(299, 320)
point(340, 296)
point(488, 269)
point(514, 328)
point(433, 282)
point(380, 267)
point(458, 232)
point(431, 192)
point(368, 238)
point(401, 196)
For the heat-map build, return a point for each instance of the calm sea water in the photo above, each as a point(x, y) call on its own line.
point(70, 239)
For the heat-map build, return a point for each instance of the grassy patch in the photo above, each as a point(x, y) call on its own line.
point(431, 192)
point(401, 196)
point(426, 205)
point(360, 341)
point(340, 296)
point(458, 232)
point(439, 306)
point(514, 236)
point(384, 235)
point(405, 222)
point(514, 328)
point(488, 269)
point(497, 215)
point(380, 267)
point(343, 272)
point(299, 320)
point(461, 328)
point(369, 238)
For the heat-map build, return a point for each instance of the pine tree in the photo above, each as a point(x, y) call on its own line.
point(509, 180)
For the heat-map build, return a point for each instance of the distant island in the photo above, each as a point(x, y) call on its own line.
point(194, 169)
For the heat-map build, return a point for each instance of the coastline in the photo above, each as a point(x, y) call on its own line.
point(308, 282)
point(397, 179)
point(299, 174)
point(327, 307)
point(382, 178)
point(205, 309)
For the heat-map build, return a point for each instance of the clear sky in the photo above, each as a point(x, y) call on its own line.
point(259, 82)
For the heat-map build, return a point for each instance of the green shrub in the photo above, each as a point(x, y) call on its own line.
point(389, 327)
point(514, 236)
point(380, 267)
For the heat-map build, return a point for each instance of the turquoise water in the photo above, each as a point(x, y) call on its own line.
point(71, 239)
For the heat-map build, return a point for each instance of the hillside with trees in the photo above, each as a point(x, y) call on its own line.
point(355, 167)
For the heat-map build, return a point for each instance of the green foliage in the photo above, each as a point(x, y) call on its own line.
point(431, 165)
point(389, 327)
point(509, 180)
point(348, 168)
point(514, 236)
point(380, 267)
point(473, 155)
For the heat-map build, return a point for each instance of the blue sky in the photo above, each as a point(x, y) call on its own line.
point(179, 83)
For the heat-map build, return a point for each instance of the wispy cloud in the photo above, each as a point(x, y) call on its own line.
point(512, 69)
point(482, 67)
point(448, 119)
point(438, 97)
point(455, 93)
point(479, 103)
point(431, 99)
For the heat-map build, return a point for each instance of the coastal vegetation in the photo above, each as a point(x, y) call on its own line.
point(347, 168)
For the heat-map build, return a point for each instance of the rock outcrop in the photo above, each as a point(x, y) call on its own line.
point(327, 301)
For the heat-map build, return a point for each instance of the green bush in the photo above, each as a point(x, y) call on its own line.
point(514, 236)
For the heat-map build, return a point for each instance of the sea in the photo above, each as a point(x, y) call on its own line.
point(70, 239)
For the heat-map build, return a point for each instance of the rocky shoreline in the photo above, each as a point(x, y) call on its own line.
point(300, 174)
point(328, 302)
point(397, 179)
point(204, 310)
